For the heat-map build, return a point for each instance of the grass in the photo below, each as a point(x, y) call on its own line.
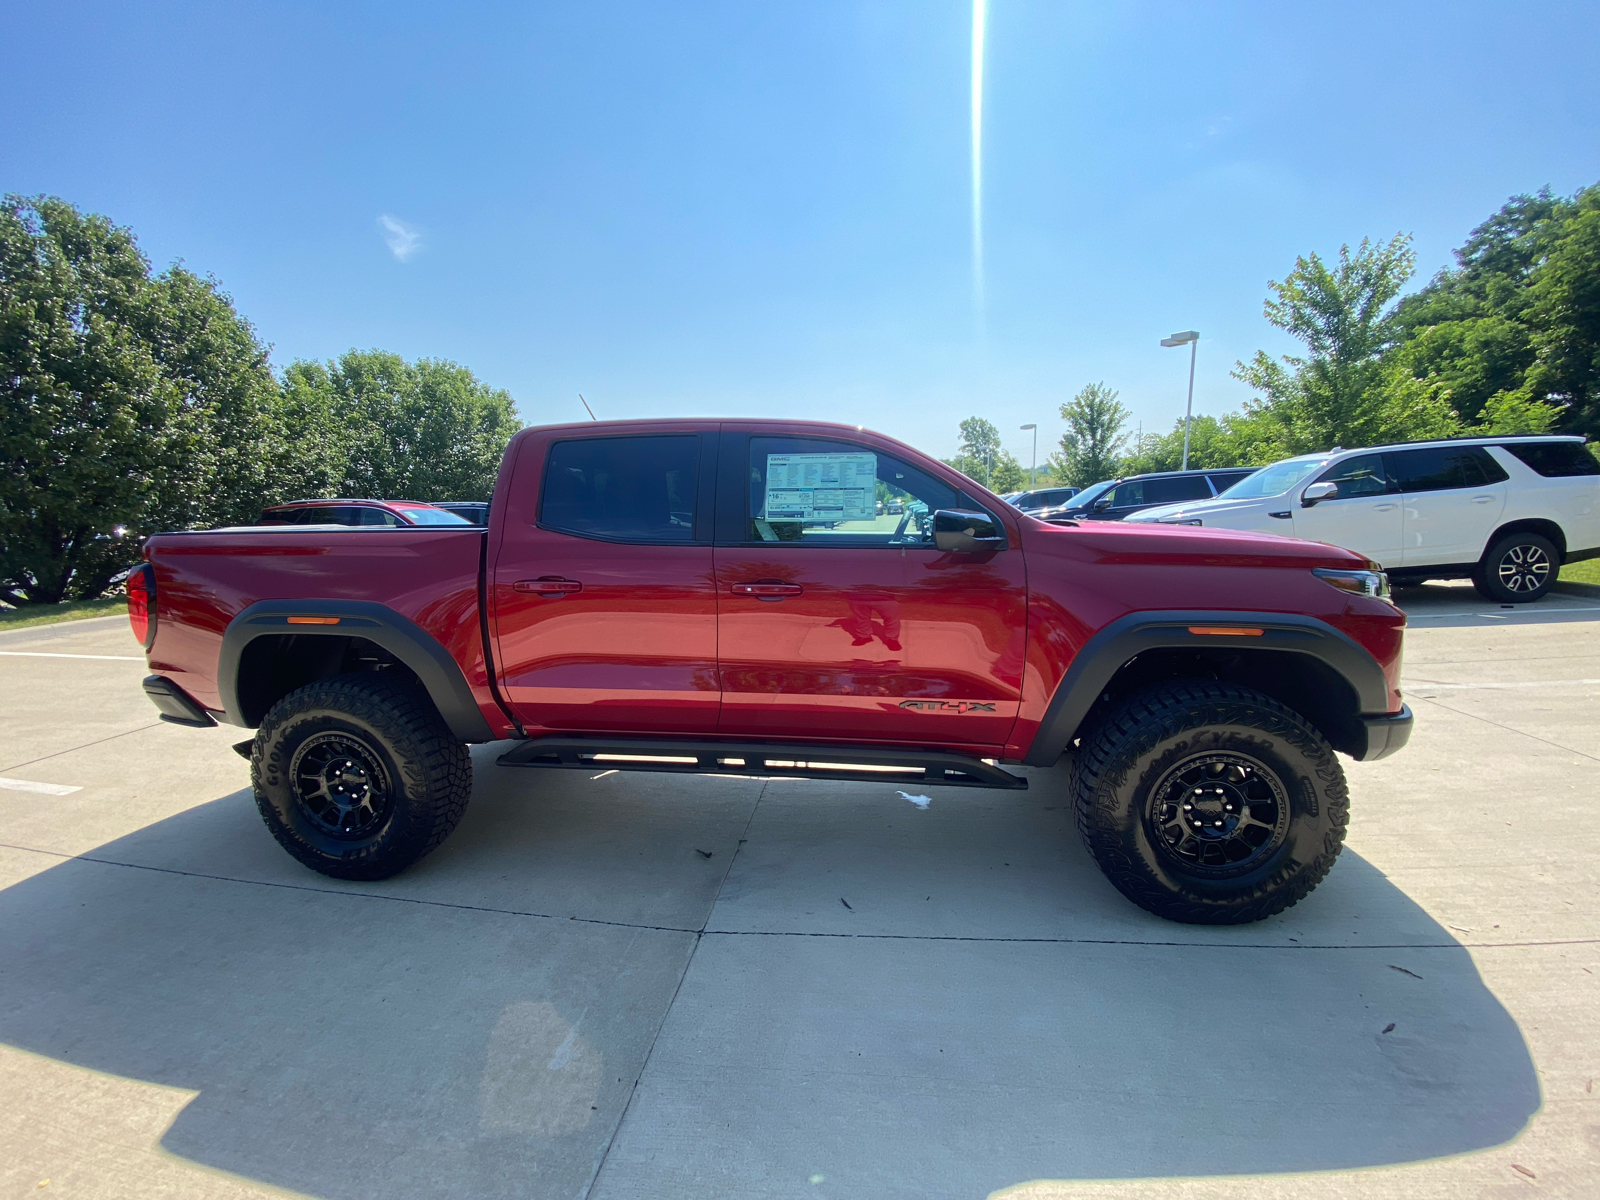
point(1587, 571)
point(70, 610)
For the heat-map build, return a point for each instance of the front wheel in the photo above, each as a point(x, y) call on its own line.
point(1518, 568)
point(357, 776)
point(1210, 803)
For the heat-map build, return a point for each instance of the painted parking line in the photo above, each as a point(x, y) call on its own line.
point(42, 654)
point(1531, 683)
point(1502, 613)
point(44, 789)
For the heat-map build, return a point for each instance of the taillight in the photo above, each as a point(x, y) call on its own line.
point(142, 604)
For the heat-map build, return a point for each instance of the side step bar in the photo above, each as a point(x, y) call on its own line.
point(765, 759)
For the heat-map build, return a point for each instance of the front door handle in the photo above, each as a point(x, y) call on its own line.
point(767, 589)
point(549, 585)
point(1482, 499)
point(1384, 507)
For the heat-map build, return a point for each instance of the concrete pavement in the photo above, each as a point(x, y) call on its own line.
point(851, 996)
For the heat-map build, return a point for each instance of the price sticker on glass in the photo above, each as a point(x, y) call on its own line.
point(821, 487)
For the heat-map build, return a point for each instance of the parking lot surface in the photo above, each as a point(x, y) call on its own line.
point(621, 985)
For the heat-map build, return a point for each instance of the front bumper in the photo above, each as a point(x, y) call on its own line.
point(1385, 734)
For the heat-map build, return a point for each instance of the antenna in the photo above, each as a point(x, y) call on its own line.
point(590, 411)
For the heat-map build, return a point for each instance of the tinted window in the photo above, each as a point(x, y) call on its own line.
point(1360, 476)
point(1175, 489)
point(1555, 460)
point(839, 493)
point(1441, 468)
point(318, 516)
point(370, 516)
point(1223, 480)
point(629, 489)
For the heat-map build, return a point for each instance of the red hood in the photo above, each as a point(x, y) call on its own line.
point(1116, 542)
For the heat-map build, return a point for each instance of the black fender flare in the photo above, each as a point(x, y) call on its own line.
point(1103, 655)
point(407, 641)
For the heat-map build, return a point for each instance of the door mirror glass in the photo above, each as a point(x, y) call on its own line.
point(1102, 504)
point(1318, 492)
point(960, 532)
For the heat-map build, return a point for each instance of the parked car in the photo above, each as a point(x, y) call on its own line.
point(1118, 499)
point(1504, 512)
point(1042, 498)
point(702, 596)
point(360, 512)
point(476, 512)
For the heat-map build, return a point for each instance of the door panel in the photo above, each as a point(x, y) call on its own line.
point(887, 638)
point(1364, 516)
point(609, 622)
point(1452, 498)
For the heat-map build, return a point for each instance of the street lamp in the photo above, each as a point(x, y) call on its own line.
point(1192, 338)
point(1032, 480)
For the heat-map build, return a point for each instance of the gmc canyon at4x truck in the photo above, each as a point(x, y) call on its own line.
point(780, 598)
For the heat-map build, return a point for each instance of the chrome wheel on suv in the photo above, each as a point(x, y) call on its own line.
point(1518, 568)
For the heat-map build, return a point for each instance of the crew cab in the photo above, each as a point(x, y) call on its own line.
point(728, 597)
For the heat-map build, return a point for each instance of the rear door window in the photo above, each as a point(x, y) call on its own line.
point(1555, 460)
point(622, 489)
point(1174, 489)
point(1435, 469)
point(364, 515)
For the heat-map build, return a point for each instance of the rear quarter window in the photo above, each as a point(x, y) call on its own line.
point(1554, 460)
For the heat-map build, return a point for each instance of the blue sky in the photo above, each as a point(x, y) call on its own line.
point(764, 209)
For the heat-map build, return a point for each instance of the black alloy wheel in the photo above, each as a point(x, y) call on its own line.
point(340, 784)
point(1518, 569)
point(1219, 814)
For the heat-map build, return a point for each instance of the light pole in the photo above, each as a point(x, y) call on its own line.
point(1192, 338)
point(1033, 481)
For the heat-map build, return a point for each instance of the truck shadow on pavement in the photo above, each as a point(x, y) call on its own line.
point(478, 1026)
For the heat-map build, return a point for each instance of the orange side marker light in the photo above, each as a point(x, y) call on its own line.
point(313, 620)
point(1226, 630)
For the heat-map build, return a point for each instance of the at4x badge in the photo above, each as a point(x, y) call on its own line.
point(948, 706)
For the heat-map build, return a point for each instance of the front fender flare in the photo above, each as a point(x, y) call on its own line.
point(407, 641)
point(1103, 655)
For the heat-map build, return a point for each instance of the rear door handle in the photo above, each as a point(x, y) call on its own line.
point(550, 585)
point(767, 589)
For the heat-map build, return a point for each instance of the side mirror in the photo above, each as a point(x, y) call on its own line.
point(1318, 492)
point(1102, 504)
point(967, 532)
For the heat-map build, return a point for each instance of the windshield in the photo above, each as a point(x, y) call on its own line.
point(1273, 480)
point(433, 516)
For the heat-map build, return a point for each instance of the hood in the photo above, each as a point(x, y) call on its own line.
point(1201, 508)
point(1125, 542)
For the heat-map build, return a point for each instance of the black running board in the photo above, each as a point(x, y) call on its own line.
point(919, 768)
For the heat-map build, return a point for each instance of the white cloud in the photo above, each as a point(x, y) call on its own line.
point(403, 240)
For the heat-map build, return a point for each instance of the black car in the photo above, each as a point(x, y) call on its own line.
point(1113, 499)
point(1043, 498)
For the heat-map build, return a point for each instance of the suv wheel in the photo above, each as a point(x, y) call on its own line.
point(357, 776)
point(1210, 803)
point(1518, 568)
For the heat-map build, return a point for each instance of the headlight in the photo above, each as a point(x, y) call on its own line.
point(1361, 583)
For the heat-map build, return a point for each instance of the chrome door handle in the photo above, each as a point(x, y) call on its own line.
point(767, 589)
point(1482, 499)
point(549, 585)
point(1384, 507)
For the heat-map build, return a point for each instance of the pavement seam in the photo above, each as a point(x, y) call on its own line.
point(85, 746)
point(795, 933)
point(1508, 728)
point(616, 1129)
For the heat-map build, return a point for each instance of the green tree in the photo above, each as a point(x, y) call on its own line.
point(982, 458)
point(127, 403)
point(428, 430)
point(1091, 448)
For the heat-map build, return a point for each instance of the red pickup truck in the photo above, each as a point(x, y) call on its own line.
point(775, 598)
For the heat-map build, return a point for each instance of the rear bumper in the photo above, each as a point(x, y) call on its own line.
point(1385, 734)
point(175, 704)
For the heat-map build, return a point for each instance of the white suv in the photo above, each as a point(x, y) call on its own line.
point(1504, 512)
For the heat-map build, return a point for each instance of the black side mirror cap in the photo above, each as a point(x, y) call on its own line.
point(961, 532)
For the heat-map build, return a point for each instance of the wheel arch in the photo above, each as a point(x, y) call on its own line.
point(1543, 526)
point(1300, 661)
point(276, 646)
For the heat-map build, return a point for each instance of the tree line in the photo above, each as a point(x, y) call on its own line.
point(133, 402)
point(1505, 341)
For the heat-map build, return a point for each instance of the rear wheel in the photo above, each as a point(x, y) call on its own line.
point(1210, 803)
point(357, 776)
point(1518, 568)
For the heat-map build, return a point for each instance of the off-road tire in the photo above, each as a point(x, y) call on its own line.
point(392, 729)
point(1509, 568)
point(1144, 743)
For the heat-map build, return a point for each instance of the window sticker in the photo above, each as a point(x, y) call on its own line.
point(821, 487)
